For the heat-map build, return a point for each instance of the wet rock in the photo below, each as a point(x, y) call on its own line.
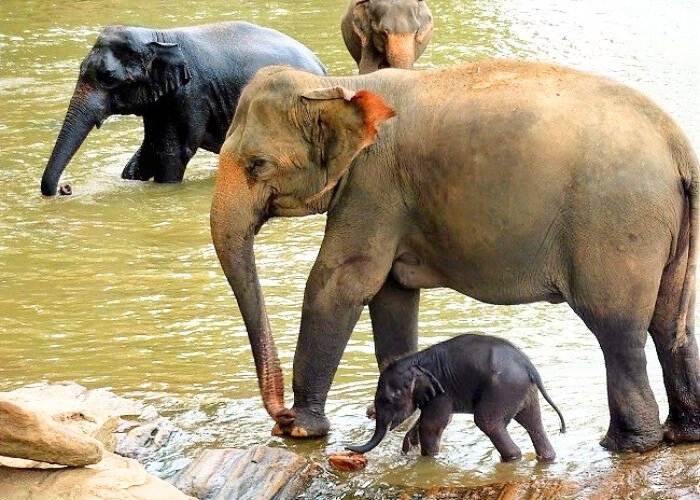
point(259, 472)
point(65, 190)
point(34, 436)
point(121, 424)
point(114, 477)
point(144, 440)
point(673, 470)
point(541, 489)
point(668, 472)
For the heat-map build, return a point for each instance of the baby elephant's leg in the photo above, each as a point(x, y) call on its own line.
point(530, 418)
point(434, 417)
point(492, 414)
point(412, 438)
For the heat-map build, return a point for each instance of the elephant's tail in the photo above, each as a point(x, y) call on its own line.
point(535, 377)
point(687, 163)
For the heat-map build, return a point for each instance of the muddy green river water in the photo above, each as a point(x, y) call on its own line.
point(119, 286)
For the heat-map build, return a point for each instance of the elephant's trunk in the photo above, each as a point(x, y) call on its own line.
point(401, 50)
point(379, 432)
point(235, 215)
point(88, 108)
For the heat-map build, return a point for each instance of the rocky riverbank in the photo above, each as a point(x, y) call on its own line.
point(116, 437)
point(89, 444)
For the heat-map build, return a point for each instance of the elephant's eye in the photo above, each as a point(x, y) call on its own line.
point(108, 80)
point(255, 164)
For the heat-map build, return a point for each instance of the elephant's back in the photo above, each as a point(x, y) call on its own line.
point(553, 125)
point(253, 46)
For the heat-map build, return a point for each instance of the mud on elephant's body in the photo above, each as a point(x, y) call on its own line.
point(185, 82)
point(510, 182)
point(386, 33)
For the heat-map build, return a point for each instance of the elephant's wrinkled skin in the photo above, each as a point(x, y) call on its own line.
point(478, 374)
point(185, 82)
point(386, 33)
point(511, 182)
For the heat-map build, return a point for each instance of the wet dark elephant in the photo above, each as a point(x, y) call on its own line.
point(478, 374)
point(184, 82)
point(386, 33)
point(511, 182)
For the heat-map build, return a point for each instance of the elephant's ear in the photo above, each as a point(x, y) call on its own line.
point(360, 22)
point(426, 386)
point(345, 122)
point(169, 69)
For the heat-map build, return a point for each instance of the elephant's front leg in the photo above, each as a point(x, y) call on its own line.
point(141, 166)
point(326, 326)
point(173, 153)
point(170, 146)
point(342, 281)
point(412, 438)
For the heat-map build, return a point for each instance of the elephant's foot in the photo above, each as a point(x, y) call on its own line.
point(512, 457)
point(371, 412)
point(638, 442)
point(135, 171)
point(546, 457)
point(306, 425)
point(129, 172)
point(682, 430)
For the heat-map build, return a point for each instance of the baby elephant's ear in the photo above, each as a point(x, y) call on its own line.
point(426, 387)
point(169, 69)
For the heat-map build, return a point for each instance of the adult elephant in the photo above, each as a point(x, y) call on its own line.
point(185, 82)
point(386, 33)
point(511, 182)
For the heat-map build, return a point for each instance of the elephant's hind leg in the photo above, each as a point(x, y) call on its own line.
point(615, 296)
point(680, 365)
point(492, 414)
point(394, 314)
point(531, 420)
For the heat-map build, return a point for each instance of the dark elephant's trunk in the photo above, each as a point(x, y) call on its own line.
point(379, 432)
point(401, 50)
point(235, 214)
point(88, 108)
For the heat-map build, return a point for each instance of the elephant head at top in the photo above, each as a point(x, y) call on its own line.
point(126, 71)
point(386, 33)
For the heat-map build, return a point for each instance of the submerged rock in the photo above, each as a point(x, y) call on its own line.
point(143, 440)
point(112, 478)
point(526, 490)
point(258, 473)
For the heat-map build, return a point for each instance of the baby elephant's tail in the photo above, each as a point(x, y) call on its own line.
point(535, 376)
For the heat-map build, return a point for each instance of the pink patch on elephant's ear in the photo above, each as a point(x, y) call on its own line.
point(374, 111)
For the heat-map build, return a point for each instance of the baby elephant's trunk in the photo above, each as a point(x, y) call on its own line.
point(379, 433)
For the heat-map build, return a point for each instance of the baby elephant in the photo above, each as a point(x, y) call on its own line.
point(478, 374)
